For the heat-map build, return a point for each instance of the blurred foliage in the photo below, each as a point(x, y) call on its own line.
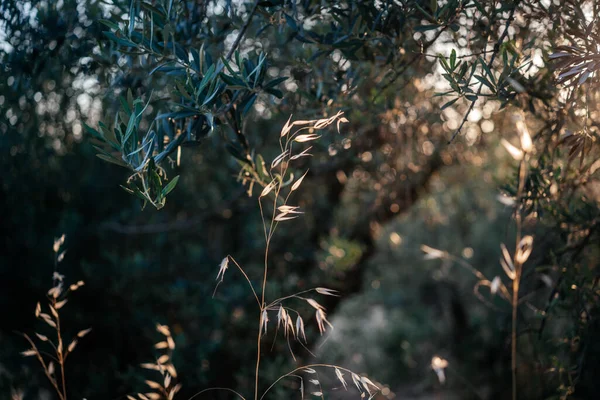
point(186, 96)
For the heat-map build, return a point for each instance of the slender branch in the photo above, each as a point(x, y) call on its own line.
point(46, 371)
point(517, 278)
point(247, 279)
point(242, 31)
point(489, 65)
point(61, 358)
point(405, 67)
point(483, 280)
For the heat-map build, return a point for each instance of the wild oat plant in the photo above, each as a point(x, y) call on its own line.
point(53, 361)
point(512, 264)
point(275, 203)
point(165, 387)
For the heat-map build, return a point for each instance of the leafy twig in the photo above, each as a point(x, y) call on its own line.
point(489, 66)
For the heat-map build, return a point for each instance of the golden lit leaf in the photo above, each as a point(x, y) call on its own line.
point(438, 362)
point(366, 382)
point(340, 377)
point(357, 382)
point(171, 370)
point(327, 292)
point(300, 328)
point(284, 217)
point(322, 320)
point(524, 249)
point(290, 325)
point(174, 391)
point(54, 292)
point(58, 242)
point(297, 184)
point(153, 385)
point(495, 285)
point(304, 153)
point(163, 329)
point(517, 154)
point(42, 337)
point(84, 332)
point(526, 143)
point(341, 121)
point(431, 253)
point(279, 159)
point(281, 316)
point(221, 274)
point(287, 127)
point(163, 359)
point(306, 137)
point(177, 388)
point(289, 209)
point(268, 188)
point(171, 342)
point(265, 321)
point(48, 320)
point(506, 200)
point(60, 304)
point(315, 305)
point(506, 262)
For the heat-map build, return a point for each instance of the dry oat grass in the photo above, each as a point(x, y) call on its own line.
point(165, 387)
point(278, 184)
point(53, 361)
point(512, 264)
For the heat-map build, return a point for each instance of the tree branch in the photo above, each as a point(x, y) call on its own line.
point(243, 31)
point(489, 65)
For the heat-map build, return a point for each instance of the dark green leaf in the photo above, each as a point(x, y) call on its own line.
point(275, 82)
point(167, 189)
point(112, 160)
point(448, 104)
point(485, 82)
point(487, 71)
point(110, 24)
point(291, 23)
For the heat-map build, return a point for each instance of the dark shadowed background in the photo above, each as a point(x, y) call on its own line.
point(376, 192)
